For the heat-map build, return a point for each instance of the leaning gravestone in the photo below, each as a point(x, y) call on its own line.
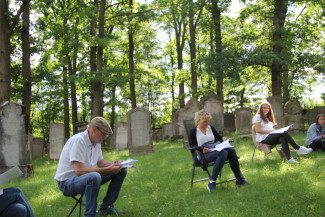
point(293, 115)
point(243, 120)
point(276, 103)
point(139, 131)
point(56, 140)
point(211, 103)
point(13, 139)
point(37, 147)
point(121, 135)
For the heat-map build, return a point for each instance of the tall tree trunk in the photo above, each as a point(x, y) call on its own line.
point(66, 103)
point(4, 52)
point(285, 79)
point(113, 102)
point(73, 73)
point(131, 63)
point(280, 12)
point(193, 50)
point(100, 58)
point(180, 40)
point(216, 14)
point(93, 50)
point(27, 85)
point(173, 73)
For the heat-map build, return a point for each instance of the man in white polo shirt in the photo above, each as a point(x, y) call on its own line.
point(77, 172)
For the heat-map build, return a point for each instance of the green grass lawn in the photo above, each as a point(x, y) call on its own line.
point(161, 185)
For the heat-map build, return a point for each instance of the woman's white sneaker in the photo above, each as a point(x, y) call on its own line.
point(292, 160)
point(302, 150)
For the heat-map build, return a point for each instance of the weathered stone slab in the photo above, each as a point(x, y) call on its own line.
point(121, 135)
point(243, 120)
point(56, 140)
point(14, 149)
point(211, 103)
point(139, 131)
point(37, 147)
point(293, 115)
point(277, 106)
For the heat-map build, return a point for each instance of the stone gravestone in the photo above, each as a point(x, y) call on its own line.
point(243, 120)
point(293, 115)
point(167, 131)
point(211, 103)
point(37, 147)
point(312, 113)
point(177, 121)
point(229, 123)
point(81, 126)
point(139, 131)
point(13, 139)
point(121, 135)
point(56, 140)
point(276, 103)
point(190, 108)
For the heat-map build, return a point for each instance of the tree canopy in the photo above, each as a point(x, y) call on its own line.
point(90, 57)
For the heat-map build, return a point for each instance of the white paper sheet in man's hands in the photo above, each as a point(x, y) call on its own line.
point(128, 163)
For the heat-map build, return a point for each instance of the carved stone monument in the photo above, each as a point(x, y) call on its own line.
point(276, 103)
point(243, 120)
point(37, 147)
point(121, 135)
point(229, 123)
point(56, 140)
point(293, 115)
point(14, 149)
point(211, 103)
point(312, 114)
point(177, 121)
point(167, 131)
point(139, 131)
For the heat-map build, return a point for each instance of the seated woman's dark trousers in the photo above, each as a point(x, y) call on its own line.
point(283, 139)
point(317, 144)
point(219, 159)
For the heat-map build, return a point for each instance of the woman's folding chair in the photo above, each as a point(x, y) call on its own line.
point(197, 156)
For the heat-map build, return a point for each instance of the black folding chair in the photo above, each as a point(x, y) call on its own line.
point(78, 202)
point(197, 156)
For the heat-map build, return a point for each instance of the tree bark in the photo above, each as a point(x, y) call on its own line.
point(131, 63)
point(280, 12)
point(66, 103)
point(93, 67)
point(26, 72)
point(180, 31)
point(216, 14)
point(4, 52)
point(193, 50)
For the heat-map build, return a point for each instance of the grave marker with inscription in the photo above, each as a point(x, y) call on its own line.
point(57, 140)
point(139, 131)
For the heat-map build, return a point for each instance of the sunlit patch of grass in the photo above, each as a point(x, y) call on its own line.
point(161, 185)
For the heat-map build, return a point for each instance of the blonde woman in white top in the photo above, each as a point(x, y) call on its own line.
point(264, 122)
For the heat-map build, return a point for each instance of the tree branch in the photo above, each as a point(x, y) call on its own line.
point(15, 20)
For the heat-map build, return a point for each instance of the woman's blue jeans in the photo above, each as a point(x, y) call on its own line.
point(14, 204)
point(89, 184)
point(219, 158)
